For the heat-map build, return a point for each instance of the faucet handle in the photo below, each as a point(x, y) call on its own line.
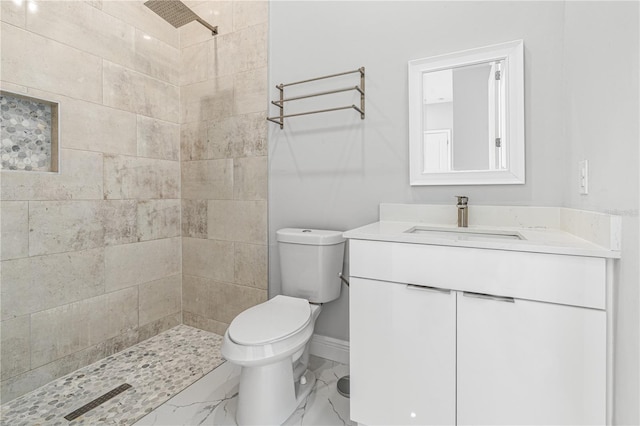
point(462, 200)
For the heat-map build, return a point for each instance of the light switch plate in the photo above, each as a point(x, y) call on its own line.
point(583, 176)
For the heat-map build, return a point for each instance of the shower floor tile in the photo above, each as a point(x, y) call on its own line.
point(157, 369)
point(212, 400)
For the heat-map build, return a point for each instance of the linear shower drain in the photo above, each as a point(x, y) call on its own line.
point(97, 402)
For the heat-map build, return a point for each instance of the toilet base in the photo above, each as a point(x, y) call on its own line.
point(305, 390)
point(268, 394)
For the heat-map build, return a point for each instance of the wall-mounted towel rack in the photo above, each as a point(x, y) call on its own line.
point(280, 103)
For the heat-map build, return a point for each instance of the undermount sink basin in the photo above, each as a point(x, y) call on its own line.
point(465, 234)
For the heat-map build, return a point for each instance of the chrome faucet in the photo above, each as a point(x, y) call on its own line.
point(463, 211)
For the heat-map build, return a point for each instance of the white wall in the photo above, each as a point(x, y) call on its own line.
point(601, 119)
point(331, 171)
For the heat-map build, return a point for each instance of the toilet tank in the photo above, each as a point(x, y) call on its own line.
point(310, 261)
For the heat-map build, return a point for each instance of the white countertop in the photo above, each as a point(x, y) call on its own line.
point(538, 240)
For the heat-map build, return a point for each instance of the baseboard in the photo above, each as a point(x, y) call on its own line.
point(330, 348)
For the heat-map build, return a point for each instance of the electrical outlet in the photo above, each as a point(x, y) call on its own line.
point(583, 176)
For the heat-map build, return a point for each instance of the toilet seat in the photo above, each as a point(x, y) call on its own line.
point(270, 322)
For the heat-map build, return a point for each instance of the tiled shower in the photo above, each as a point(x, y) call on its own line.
point(157, 215)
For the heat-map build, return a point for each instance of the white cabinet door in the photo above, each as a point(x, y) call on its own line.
point(526, 362)
point(403, 354)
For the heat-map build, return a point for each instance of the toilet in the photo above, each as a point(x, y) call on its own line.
point(270, 341)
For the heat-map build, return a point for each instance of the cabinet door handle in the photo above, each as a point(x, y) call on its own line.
point(427, 288)
point(489, 297)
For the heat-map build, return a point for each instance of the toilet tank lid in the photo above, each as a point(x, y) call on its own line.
point(316, 237)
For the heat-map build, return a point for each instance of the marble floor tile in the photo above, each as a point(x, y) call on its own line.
point(178, 378)
point(212, 400)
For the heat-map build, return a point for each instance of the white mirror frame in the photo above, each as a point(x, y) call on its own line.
point(513, 55)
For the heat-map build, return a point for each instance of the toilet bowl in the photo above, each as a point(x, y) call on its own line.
point(271, 343)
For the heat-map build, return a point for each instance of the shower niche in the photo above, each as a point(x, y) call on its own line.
point(28, 134)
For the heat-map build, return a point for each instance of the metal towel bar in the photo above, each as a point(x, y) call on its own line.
point(279, 119)
point(311, 95)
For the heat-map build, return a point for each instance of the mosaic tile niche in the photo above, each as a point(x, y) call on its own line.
point(28, 134)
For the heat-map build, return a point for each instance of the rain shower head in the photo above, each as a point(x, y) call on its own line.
point(177, 13)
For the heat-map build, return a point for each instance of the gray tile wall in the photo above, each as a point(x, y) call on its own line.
point(223, 98)
point(92, 255)
point(159, 212)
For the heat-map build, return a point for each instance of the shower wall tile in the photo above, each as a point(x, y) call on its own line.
point(193, 141)
point(136, 92)
point(224, 138)
point(119, 219)
point(159, 299)
point(132, 264)
point(67, 329)
point(255, 46)
point(14, 227)
point(208, 100)
point(238, 136)
point(37, 283)
point(218, 301)
point(223, 121)
point(203, 323)
point(156, 58)
point(250, 265)
point(194, 218)
point(110, 219)
point(19, 89)
point(196, 296)
point(92, 127)
point(69, 71)
point(86, 28)
point(193, 66)
point(153, 328)
point(238, 52)
point(95, 3)
point(60, 331)
point(15, 350)
point(248, 13)
point(144, 19)
point(158, 139)
point(140, 178)
point(250, 178)
point(13, 13)
point(207, 179)
point(208, 258)
point(61, 226)
point(157, 219)
point(39, 376)
point(250, 91)
point(80, 178)
point(113, 314)
point(225, 56)
point(242, 221)
point(193, 3)
point(218, 13)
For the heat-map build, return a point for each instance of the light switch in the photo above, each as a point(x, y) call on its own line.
point(583, 171)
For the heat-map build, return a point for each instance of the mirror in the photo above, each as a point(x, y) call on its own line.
point(466, 117)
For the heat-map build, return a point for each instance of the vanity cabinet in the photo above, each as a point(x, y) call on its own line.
point(521, 361)
point(405, 349)
point(456, 335)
